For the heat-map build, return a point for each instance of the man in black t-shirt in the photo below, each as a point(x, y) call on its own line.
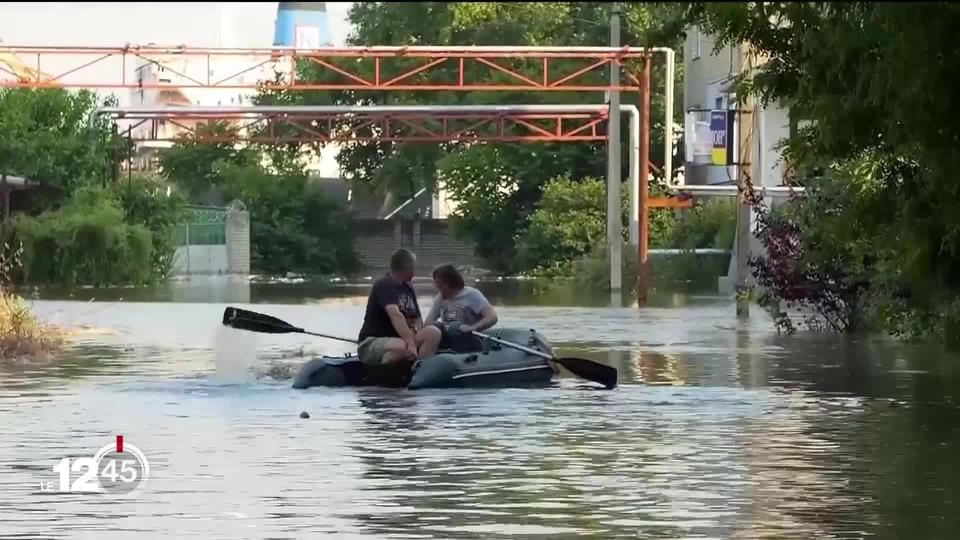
point(392, 325)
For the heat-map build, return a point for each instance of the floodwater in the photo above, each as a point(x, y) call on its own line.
point(719, 429)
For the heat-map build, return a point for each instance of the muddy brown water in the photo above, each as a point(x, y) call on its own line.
point(718, 429)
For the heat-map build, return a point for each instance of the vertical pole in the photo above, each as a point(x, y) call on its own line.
point(129, 156)
point(633, 180)
point(116, 161)
point(614, 224)
point(744, 140)
point(643, 263)
point(668, 119)
point(6, 207)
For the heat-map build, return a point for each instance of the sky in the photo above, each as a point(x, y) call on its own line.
point(101, 24)
point(250, 24)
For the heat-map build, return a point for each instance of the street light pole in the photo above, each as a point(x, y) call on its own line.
point(614, 225)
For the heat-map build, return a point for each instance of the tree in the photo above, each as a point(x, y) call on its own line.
point(46, 135)
point(491, 216)
point(876, 81)
point(195, 165)
point(294, 226)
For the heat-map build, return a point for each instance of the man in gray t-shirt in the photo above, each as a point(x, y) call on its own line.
point(460, 310)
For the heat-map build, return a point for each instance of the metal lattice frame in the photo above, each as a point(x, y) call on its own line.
point(369, 69)
point(370, 124)
point(347, 68)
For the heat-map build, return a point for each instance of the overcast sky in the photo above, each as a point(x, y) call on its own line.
point(249, 24)
point(101, 24)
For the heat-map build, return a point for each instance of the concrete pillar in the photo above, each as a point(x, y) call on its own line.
point(238, 238)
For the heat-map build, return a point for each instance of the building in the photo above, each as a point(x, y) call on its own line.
point(713, 124)
point(707, 89)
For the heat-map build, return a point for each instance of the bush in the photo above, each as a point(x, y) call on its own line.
point(150, 202)
point(566, 235)
point(87, 242)
point(294, 227)
point(21, 334)
point(709, 224)
point(569, 220)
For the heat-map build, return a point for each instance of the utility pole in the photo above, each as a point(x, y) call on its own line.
point(746, 105)
point(614, 225)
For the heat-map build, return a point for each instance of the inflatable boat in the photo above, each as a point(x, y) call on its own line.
point(495, 366)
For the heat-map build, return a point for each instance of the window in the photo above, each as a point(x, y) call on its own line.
point(697, 43)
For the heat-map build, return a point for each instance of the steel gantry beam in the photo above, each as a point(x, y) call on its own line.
point(366, 70)
point(334, 68)
point(462, 123)
point(321, 125)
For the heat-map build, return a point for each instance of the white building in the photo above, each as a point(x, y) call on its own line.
point(712, 154)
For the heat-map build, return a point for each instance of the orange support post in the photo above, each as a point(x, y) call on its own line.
point(643, 278)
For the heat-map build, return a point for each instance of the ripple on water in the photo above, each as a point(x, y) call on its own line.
point(743, 435)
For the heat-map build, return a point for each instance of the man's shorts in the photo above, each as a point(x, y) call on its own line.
point(372, 350)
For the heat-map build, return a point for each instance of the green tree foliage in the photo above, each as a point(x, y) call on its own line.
point(569, 222)
point(45, 135)
point(709, 224)
point(97, 236)
point(492, 208)
point(877, 82)
point(86, 242)
point(149, 201)
point(196, 167)
point(294, 226)
point(569, 226)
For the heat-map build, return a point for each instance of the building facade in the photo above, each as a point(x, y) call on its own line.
point(712, 146)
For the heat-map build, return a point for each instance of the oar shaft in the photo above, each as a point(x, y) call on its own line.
point(329, 337)
point(517, 346)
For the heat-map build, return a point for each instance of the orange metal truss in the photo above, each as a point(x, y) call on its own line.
point(339, 68)
point(424, 126)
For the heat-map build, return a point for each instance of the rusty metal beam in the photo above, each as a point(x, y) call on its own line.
point(382, 127)
point(333, 68)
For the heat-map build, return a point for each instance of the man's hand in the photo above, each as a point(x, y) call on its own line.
point(457, 329)
point(411, 349)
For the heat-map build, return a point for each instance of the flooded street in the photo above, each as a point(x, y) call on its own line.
point(717, 430)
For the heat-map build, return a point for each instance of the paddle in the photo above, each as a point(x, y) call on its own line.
point(242, 319)
point(357, 373)
point(581, 367)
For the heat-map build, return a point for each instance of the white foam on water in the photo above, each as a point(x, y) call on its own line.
point(235, 355)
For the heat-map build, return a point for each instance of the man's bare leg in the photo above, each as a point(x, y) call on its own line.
point(427, 340)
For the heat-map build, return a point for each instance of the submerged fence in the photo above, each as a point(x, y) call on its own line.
point(213, 240)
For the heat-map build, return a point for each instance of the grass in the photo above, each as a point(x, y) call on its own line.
point(22, 335)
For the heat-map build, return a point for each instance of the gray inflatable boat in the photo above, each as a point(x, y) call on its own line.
point(495, 366)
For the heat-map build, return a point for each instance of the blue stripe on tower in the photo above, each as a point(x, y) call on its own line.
point(306, 21)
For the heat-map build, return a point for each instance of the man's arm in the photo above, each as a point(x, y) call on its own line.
point(434, 311)
point(489, 318)
point(387, 297)
point(479, 303)
point(399, 323)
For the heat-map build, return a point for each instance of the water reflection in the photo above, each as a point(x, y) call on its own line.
point(719, 430)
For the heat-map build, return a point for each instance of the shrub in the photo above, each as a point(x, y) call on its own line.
point(87, 242)
point(21, 334)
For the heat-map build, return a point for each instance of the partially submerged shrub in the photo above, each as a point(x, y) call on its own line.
point(22, 335)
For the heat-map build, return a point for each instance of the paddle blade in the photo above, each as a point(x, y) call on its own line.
point(590, 370)
point(242, 319)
